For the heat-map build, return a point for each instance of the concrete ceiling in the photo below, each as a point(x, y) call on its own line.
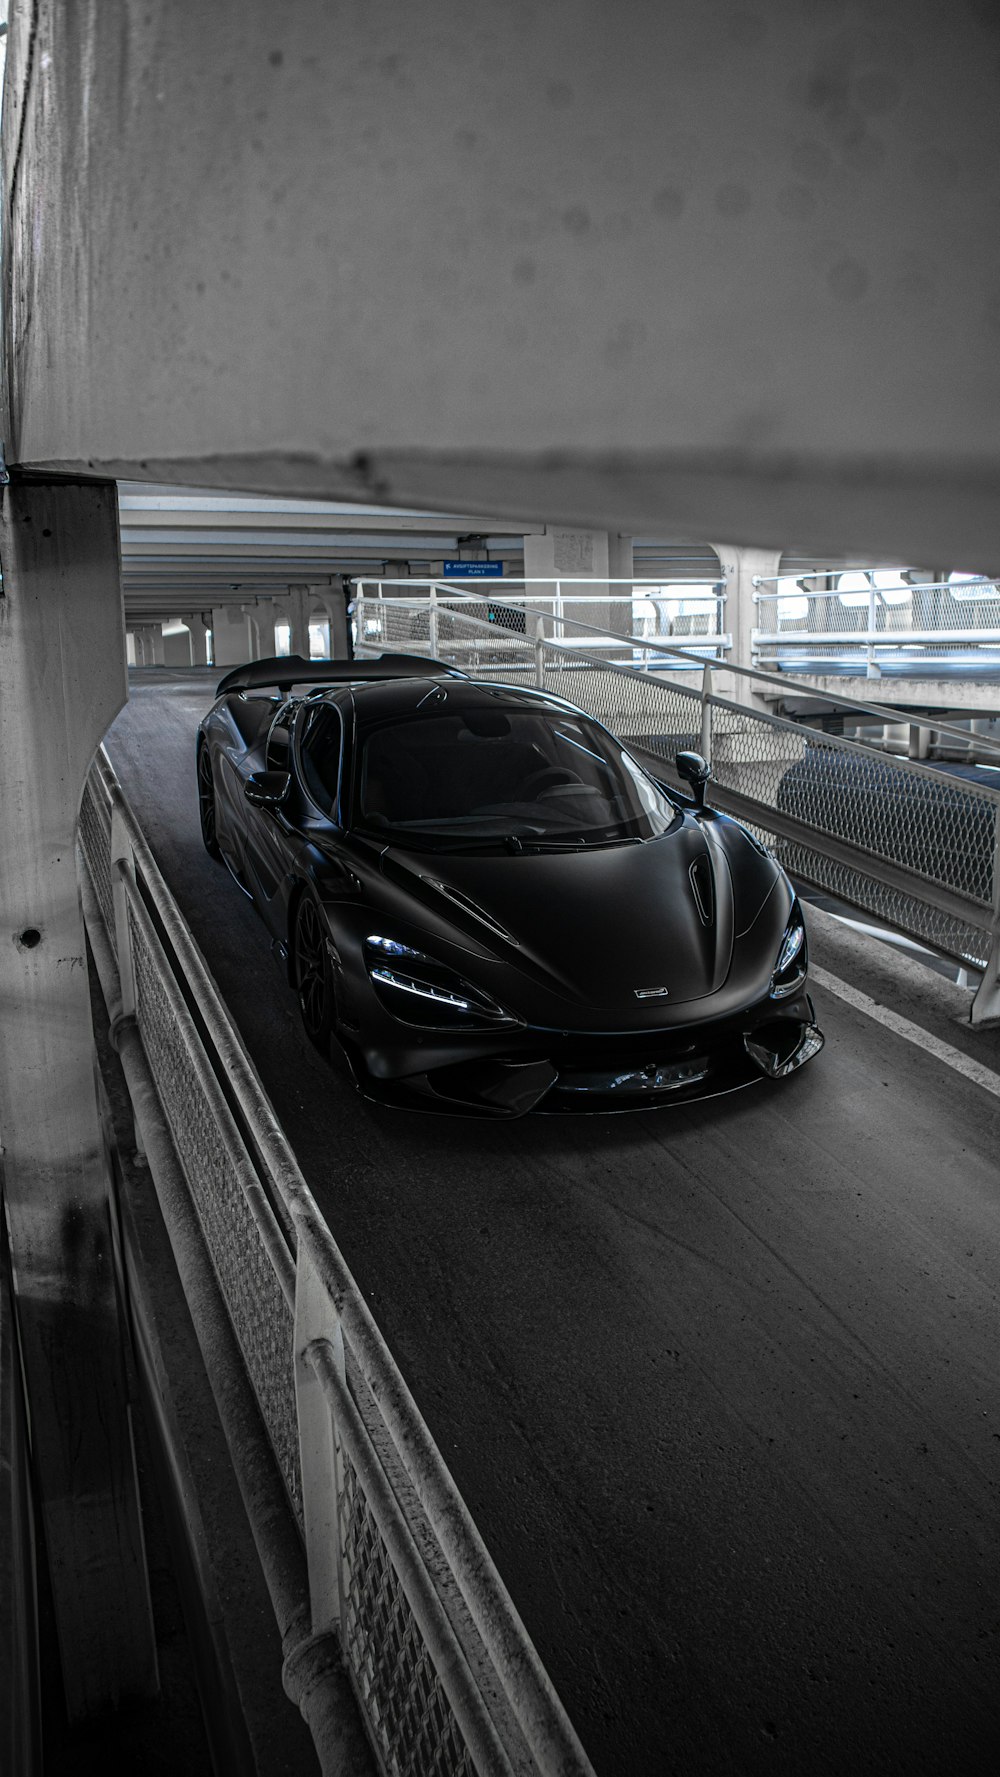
point(189, 549)
point(690, 269)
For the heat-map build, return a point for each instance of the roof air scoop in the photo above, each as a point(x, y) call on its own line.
point(702, 882)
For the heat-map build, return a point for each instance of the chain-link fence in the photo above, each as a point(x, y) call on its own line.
point(907, 843)
point(446, 1678)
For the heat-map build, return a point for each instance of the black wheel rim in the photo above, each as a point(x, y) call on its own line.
point(310, 957)
point(206, 798)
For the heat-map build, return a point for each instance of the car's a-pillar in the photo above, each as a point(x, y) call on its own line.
point(62, 681)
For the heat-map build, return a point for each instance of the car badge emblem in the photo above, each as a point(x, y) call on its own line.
point(651, 993)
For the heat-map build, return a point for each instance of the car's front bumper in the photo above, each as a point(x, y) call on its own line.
point(556, 1071)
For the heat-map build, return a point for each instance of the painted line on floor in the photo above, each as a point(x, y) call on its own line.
point(903, 1027)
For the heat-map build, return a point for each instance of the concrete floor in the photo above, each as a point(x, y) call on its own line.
point(719, 1384)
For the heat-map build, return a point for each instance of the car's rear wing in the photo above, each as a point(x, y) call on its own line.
point(286, 670)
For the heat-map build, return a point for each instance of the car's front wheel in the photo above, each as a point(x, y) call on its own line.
point(206, 803)
point(313, 973)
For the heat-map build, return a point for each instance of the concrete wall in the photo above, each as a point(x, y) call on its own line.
point(729, 269)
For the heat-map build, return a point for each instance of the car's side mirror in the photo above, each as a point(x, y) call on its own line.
point(266, 789)
point(696, 772)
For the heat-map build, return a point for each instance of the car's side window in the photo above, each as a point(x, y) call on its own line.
point(320, 756)
point(276, 756)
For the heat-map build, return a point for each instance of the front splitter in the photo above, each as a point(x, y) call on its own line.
point(509, 1089)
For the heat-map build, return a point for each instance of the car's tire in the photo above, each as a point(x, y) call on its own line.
point(206, 803)
point(313, 973)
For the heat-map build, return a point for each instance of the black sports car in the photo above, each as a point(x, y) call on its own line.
point(488, 903)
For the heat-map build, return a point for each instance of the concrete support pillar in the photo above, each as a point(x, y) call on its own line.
point(621, 556)
point(230, 635)
point(62, 680)
point(198, 627)
point(581, 556)
point(177, 648)
point(292, 607)
point(255, 632)
point(318, 611)
point(298, 619)
point(149, 644)
point(262, 618)
point(739, 566)
point(340, 648)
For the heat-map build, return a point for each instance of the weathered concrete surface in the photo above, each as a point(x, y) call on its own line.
point(62, 679)
point(733, 268)
point(719, 1384)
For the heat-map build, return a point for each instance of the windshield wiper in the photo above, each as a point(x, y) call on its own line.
point(580, 843)
point(471, 842)
point(514, 843)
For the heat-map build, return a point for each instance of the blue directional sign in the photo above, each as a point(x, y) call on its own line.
point(473, 570)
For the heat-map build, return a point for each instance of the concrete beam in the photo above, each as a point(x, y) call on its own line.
point(730, 271)
point(349, 521)
point(62, 681)
point(972, 696)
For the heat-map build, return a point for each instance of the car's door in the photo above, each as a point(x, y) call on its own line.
point(236, 750)
point(269, 833)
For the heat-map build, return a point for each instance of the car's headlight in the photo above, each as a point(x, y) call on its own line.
point(793, 958)
point(417, 989)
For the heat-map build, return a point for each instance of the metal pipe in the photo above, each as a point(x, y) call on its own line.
point(985, 1008)
point(959, 589)
point(885, 637)
point(705, 736)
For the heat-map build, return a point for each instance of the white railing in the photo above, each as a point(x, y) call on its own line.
point(396, 1586)
point(653, 611)
point(930, 624)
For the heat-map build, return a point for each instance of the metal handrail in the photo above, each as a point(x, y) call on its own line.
point(301, 1250)
point(951, 586)
point(807, 638)
point(504, 580)
point(514, 594)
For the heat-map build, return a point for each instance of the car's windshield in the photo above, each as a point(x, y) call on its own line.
point(513, 776)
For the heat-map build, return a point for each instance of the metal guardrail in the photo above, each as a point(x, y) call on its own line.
point(905, 842)
point(400, 1584)
point(657, 611)
point(933, 623)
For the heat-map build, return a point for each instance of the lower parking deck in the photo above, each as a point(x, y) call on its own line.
point(718, 1382)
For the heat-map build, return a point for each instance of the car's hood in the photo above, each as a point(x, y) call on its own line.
point(616, 926)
